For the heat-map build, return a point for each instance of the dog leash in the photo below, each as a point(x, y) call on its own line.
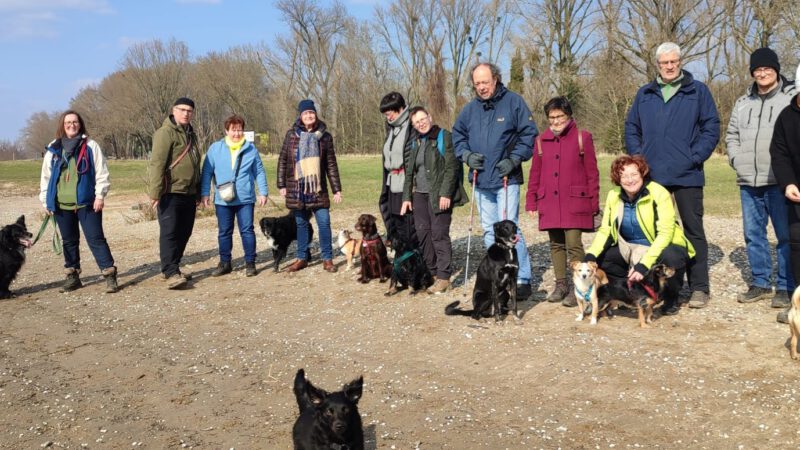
point(469, 232)
point(505, 203)
point(653, 294)
point(56, 237)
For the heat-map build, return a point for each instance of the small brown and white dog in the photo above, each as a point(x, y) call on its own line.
point(587, 279)
point(349, 246)
point(794, 323)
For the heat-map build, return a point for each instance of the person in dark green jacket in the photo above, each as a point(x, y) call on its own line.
point(640, 229)
point(433, 186)
point(174, 187)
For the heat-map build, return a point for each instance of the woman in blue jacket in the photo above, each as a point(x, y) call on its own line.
point(234, 160)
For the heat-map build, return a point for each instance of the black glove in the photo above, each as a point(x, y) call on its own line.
point(506, 166)
point(474, 160)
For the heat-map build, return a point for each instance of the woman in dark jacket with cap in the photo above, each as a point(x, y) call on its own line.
point(305, 166)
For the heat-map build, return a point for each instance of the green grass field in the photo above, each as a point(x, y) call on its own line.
point(361, 177)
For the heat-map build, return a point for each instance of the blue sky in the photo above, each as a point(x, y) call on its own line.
point(53, 48)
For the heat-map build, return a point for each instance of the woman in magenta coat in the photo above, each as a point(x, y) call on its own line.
point(564, 187)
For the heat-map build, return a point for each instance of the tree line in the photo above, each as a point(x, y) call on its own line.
point(595, 52)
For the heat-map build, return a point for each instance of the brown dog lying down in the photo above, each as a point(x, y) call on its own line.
point(374, 260)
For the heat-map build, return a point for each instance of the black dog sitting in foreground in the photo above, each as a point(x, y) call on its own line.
point(14, 239)
point(280, 233)
point(496, 280)
point(327, 420)
point(408, 269)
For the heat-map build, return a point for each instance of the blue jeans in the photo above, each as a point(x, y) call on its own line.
point(244, 216)
point(761, 205)
point(301, 218)
point(92, 224)
point(491, 203)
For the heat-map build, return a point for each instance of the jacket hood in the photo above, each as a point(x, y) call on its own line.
point(548, 135)
point(784, 86)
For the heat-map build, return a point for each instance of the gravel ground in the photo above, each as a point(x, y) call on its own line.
point(211, 366)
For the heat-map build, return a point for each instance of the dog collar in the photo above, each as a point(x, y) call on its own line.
point(647, 289)
point(588, 293)
point(366, 242)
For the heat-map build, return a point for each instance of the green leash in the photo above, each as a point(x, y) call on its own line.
point(56, 236)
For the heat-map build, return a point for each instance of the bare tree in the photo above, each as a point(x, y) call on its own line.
point(39, 130)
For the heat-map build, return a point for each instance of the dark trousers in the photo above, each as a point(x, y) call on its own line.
point(689, 201)
point(92, 224)
point(794, 238)
point(615, 266)
point(176, 214)
point(433, 232)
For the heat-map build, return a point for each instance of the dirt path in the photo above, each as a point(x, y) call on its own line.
point(211, 366)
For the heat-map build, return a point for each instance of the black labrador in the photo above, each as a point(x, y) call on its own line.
point(496, 280)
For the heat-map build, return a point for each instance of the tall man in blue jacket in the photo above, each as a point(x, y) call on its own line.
point(493, 135)
point(674, 124)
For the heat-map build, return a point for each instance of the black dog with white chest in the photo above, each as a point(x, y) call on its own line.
point(14, 239)
point(408, 269)
point(280, 233)
point(328, 420)
point(496, 280)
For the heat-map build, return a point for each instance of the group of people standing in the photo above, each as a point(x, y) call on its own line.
point(653, 214)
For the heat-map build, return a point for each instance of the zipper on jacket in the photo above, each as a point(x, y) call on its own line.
point(755, 142)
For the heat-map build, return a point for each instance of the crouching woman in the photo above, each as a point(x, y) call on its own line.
point(640, 229)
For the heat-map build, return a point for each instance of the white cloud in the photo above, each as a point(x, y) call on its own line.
point(21, 19)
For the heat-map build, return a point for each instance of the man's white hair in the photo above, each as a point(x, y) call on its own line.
point(668, 47)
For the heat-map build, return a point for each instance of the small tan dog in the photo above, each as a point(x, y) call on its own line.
point(349, 246)
point(587, 279)
point(794, 323)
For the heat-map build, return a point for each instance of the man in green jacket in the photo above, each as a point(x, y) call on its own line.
point(174, 175)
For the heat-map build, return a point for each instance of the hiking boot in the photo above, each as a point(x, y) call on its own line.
point(176, 281)
point(670, 310)
point(72, 282)
point(781, 299)
point(560, 292)
point(328, 266)
point(250, 269)
point(110, 274)
point(754, 294)
point(439, 287)
point(298, 264)
point(569, 301)
point(223, 268)
point(783, 316)
point(699, 299)
point(523, 291)
point(188, 276)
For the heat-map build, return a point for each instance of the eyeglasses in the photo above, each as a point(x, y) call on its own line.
point(630, 176)
point(556, 118)
point(238, 130)
point(421, 121)
point(185, 110)
point(763, 71)
point(72, 123)
point(673, 62)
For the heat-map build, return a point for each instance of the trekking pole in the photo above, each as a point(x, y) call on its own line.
point(505, 192)
point(469, 233)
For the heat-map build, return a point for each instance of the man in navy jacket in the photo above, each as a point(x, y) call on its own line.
point(674, 123)
point(493, 135)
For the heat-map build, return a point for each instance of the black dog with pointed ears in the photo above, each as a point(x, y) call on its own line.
point(14, 239)
point(328, 420)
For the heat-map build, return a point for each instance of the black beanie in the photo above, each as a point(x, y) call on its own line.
point(764, 57)
point(184, 101)
point(306, 105)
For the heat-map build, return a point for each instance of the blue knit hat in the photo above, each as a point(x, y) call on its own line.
point(306, 105)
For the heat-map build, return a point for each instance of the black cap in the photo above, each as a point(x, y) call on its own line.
point(764, 57)
point(306, 105)
point(184, 101)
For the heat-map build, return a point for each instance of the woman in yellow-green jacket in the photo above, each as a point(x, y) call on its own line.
point(640, 229)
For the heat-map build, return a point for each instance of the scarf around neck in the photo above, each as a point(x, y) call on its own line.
point(307, 162)
point(393, 150)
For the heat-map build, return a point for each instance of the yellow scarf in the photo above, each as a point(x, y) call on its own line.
point(234, 148)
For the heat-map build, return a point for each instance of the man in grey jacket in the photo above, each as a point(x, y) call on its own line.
point(748, 140)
